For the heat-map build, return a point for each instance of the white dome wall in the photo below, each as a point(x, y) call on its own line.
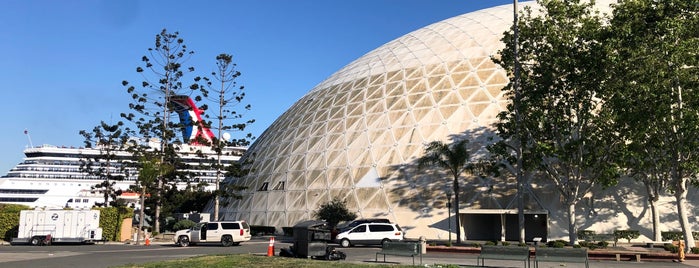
point(357, 135)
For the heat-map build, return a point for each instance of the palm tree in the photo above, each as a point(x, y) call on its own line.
point(454, 158)
point(150, 168)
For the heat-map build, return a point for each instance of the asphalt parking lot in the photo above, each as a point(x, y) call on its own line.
point(113, 254)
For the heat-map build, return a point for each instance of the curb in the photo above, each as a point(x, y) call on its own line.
point(592, 254)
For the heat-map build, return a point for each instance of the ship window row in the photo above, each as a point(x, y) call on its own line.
point(208, 179)
point(59, 176)
point(65, 163)
point(77, 200)
point(18, 199)
point(22, 191)
point(52, 169)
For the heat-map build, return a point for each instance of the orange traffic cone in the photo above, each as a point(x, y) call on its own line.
point(270, 249)
point(147, 240)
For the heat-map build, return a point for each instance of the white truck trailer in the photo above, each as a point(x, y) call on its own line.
point(39, 227)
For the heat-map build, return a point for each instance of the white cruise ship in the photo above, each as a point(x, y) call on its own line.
point(51, 177)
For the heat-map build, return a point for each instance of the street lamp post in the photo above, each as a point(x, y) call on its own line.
point(449, 214)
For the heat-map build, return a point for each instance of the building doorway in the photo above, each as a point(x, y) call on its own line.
point(503, 225)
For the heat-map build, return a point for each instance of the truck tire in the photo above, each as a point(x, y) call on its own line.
point(36, 241)
point(183, 241)
point(227, 240)
point(345, 243)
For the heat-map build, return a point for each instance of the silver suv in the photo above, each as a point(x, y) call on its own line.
point(227, 233)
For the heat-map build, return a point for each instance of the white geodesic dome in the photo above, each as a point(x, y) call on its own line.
point(356, 136)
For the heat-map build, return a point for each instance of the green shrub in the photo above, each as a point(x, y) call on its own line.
point(557, 244)
point(505, 243)
point(183, 225)
point(670, 247)
point(602, 244)
point(585, 234)
point(673, 236)
point(491, 243)
point(677, 235)
point(587, 244)
point(111, 219)
point(9, 220)
point(522, 245)
point(627, 234)
point(695, 250)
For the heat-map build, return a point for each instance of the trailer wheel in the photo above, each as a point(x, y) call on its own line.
point(183, 241)
point(35, 241)
point(227, 240)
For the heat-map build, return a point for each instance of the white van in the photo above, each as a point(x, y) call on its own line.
point(227, 233)
point(370, 234)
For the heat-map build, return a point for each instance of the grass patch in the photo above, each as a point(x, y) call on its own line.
point(257, 261)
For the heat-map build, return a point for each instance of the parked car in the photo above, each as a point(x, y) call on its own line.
point(370, 234)
point(227, 233)
point(349, 225)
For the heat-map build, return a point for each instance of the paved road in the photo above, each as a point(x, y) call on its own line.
point(109, 255)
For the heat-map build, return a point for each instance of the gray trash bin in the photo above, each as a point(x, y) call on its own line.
point(311, 238)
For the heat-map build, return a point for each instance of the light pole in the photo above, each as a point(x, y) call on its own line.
point(449, 214)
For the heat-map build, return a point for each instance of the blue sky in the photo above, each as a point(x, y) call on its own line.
point(62, 62)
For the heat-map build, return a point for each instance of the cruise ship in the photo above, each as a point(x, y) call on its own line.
point(51, 176)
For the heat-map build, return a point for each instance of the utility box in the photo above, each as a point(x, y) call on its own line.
point(311, 238)
point(38, 227)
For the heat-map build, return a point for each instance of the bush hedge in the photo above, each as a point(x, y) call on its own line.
point(111, 219)
point(627, 234)
point(676, 235)
point(585, 234)
point(556, 244)
point(9, 220)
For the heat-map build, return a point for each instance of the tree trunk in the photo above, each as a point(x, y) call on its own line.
point(159, 196)
point(656, 218)
point(141, 214)
point(572, 227)
point(520, 207)
point(456, 209)
point(216, 204)
point(681, 198)
point(107, 190)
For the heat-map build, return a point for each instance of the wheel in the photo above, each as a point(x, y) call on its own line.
point(345, 243)
point(35, 241)
point(384, 241)
point(227, 240)
point(183, 241)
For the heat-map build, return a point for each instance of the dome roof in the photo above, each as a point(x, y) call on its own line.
point(356, 135)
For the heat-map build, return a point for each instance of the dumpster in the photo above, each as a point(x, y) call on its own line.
point(311, 239)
